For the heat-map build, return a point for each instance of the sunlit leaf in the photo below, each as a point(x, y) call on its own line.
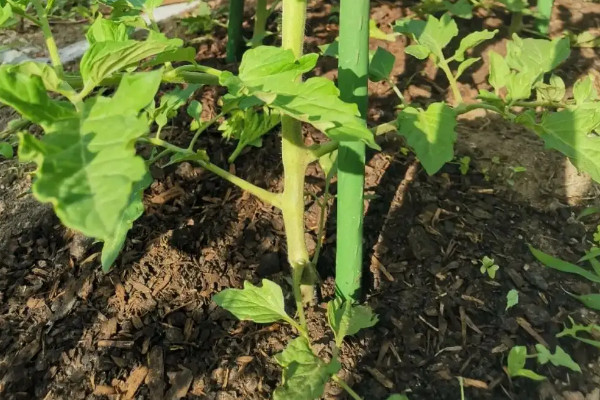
point(346, 319)
point(259, 304)
point(560, 358)
point(106, 30)
point(435, 34)
point(472, 40)
point(431, 133)
point(516, 364)
point(563, 266)
point(512, 298)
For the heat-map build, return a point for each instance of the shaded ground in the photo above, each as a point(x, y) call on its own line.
point(69, 331)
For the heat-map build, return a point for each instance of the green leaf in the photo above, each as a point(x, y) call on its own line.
point(554, 91)
point(105, 30)
point(584, 90)
point(560, 358)
point(330, 49)
point(430, 133)
point(103, 59)
point(512, 298)
point(376, 33)
point(536, 55)
point(398, 397)
point(304, 374)
point(591, 329)
point(248, 126)
point(6, 16)
point(194, 110)
point(461, 8)
point(259, 304)
point(590, 300)
point(48, 75)
point(515, 5)
point(435, 34)
point(563, 266)
point(464, 65)
point(134, 209)
point(346, 319)
point(87, 166)
point(317, 102)
point(6, 150)
point(472, 40)
point(568, 131)
point(418, 51)
point(268, 68)
point(328, 163)
point(172, 101)
point(381, 65)
point(499, 71)
point(27, 94)
point(516, 364)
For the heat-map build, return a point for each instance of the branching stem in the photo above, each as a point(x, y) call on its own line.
point(47, 32)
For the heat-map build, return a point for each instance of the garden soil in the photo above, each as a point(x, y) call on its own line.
point(149, 330)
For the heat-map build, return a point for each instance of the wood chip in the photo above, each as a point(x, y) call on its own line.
point(155, 378)
point(523, 323)
point(158, 287)
point(119, 344)
point(379, 377)
point(468, 382)
point(104, 390)
point(180, 384)
point(134, 381)
point(141, 287)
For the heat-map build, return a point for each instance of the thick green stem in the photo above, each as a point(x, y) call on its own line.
point(295, 160)
point(516, 23)
point(235, 40)
point(544, 8)
point(353, 80)
point(260, 22)
point(47, 32)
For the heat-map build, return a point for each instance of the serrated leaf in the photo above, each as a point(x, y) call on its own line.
point(464, 65)
point(570, 132)
point(554, 91)
point(298, 350)
point(6, 150)
point(536, 55)
point(461, 8)
point(346, 319)
point(584, 90)
point(431, 133)
point(304, 374)
point(103, 59)
point(106, 30)
point(376, 33)
point(87, 166)
point(472, 40)
point(560, 358)
point(134, 209)
point(317, 102)
point(435, 34)
point(259, 304)
point(172, 101)
point(512, 298)
point(381, 65)
point(248, 126)
point(418, 51)
point(563, 266)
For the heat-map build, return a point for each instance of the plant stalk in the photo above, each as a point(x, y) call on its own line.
point(353, 81)
point(345, 386)
point(235, 40)
point(295, 160)
point(49, 38)
point(260, 22)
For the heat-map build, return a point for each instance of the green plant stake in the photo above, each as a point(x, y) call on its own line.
point(545, 12)
point(235, 41)
point(353, 81)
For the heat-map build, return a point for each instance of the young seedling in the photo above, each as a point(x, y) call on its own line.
point(518, 356)
point(592, 331)
point(489, 267)
point(512, 298)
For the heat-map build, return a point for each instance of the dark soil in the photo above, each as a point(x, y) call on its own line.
point(148, 329)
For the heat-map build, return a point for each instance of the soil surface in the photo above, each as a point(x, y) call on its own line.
point(149, 330)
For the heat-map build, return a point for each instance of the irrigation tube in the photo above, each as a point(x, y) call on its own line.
point(353, 82)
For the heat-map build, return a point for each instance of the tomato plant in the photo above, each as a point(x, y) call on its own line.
point(89, 170)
